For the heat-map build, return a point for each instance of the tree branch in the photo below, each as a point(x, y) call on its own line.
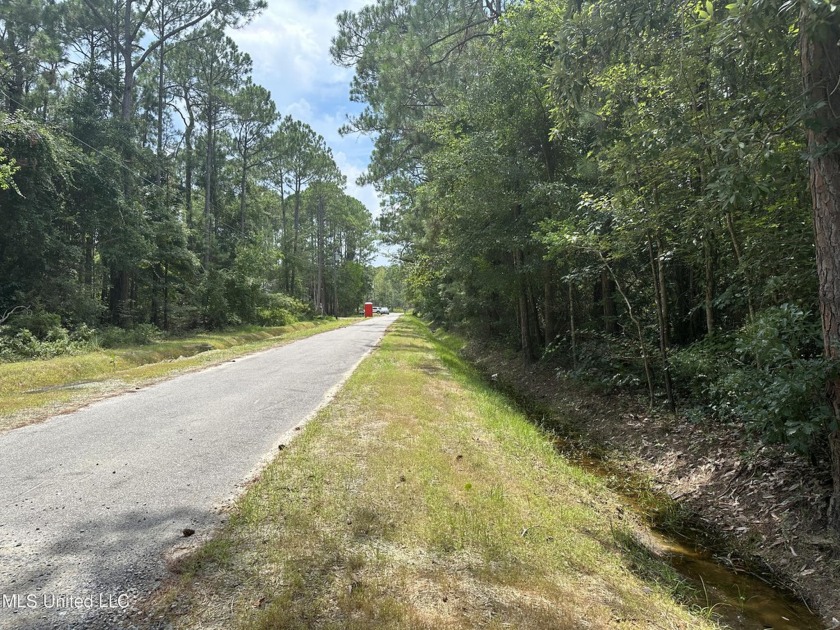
point(167, 36)
point(105, 24)
point(8, 314)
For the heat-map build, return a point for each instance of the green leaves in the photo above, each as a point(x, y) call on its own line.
point(705, 11)
point(155, 158)
point(8, 167)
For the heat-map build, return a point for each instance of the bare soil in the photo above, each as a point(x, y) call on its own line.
point(764, 506)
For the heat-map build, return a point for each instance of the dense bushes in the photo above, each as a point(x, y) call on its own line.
point(280, 309)
point(771, 375)
point(140, 335)
point(596, 357)
point(40, 335)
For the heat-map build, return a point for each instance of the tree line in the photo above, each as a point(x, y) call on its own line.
point(146, 179)
point(644, 192)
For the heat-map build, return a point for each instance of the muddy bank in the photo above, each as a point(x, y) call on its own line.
point(764, 507)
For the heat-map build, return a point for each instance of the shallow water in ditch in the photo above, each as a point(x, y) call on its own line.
point(736, 599)
point(739, 600)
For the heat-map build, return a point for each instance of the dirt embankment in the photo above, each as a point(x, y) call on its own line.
point(767, 504)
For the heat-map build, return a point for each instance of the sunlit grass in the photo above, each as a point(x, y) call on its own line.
point(30, 390)
point(420, 498)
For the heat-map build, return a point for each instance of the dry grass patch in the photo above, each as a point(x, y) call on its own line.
point(421, 499)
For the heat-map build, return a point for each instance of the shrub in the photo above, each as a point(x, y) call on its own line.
point(698, 369)
point(215, 310)
point(16, 345)
point(784, 376)
point(771, 374)
point(84, 334)
point(274, 317)
point(39, 335)
point(141, 334)
point(611, 361)
point(39, 323)
point(281, 309)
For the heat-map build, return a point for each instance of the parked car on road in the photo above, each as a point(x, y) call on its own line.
point(383, 310)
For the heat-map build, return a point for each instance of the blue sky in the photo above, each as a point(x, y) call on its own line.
point(289, 44)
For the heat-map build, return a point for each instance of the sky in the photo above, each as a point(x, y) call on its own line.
point(289, 44)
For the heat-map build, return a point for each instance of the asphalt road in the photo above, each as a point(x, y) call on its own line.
point(92, 503)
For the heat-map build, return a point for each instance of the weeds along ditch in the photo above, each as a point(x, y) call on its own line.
point(734, 588)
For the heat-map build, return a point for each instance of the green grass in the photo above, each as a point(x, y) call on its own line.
point(420, 498)
point(33, 390)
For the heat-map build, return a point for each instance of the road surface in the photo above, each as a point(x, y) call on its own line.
point(92, 502)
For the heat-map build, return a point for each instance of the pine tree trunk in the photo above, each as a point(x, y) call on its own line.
point(524, 324)
point(572, 324)
point(548, 311)
point(608, 303)
point(89, 245)
point(820, 57)
point(284, 240)
point(166, 297)
point(661, 299)
point(188, 172)
point(319, 259)
point(160, 103)
point(208, 188)
point(295, 236)
point(243, 182)
point(709, 288)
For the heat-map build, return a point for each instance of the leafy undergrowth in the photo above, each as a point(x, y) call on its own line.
point(33, 390)
point(420, 498)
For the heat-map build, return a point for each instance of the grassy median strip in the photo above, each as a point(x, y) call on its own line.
point(32, 390)
point(419, 498)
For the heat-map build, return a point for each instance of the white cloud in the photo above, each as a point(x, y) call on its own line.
point(366, 194)
point(289, 44)
point(301, 109)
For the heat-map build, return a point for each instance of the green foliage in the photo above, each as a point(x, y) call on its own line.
point(24, 345)
point(156, 184)
point(40, 335)
point(352, 284)
point(280, 309)
point(215, 311)
point(771, 375)
point(8, 167)
point(611, 362)
point(698, 370)
point(40, 323)
point(615, 186)
point(389, 286)
point(140, 335)
point(35, 254)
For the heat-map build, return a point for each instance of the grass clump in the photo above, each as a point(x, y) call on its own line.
point(420, 498)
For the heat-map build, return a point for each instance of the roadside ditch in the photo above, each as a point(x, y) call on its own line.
point(741, 523)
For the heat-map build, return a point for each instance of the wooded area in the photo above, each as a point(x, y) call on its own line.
point(145, 179)
point(630, 189)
